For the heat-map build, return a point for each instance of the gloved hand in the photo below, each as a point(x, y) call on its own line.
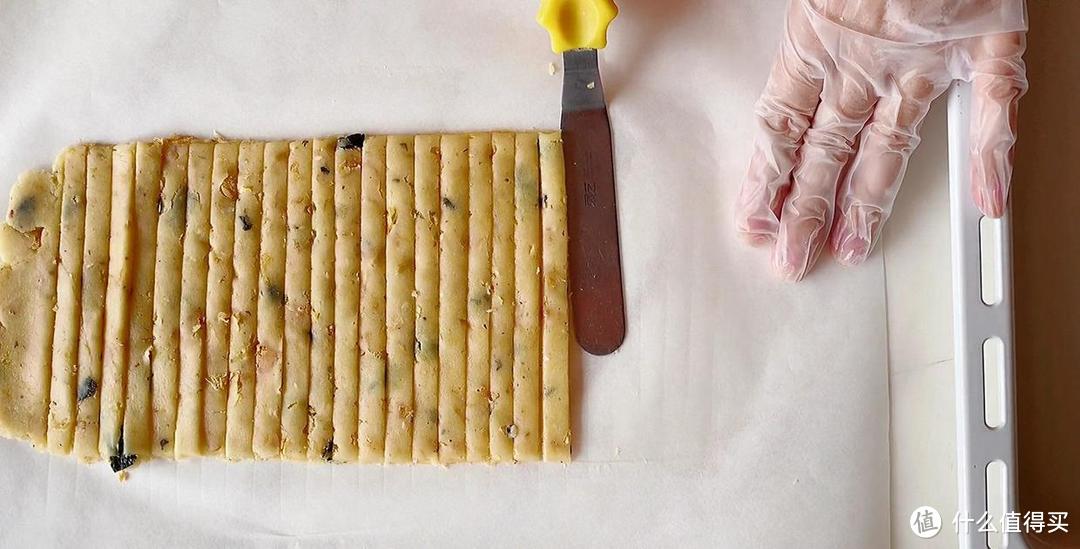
point(841, 111)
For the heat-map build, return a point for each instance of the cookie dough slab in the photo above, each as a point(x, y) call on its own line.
point(477, 400)
point(114, 363)
point(526, 428)
point(502, 312)
point(240, 408)
point(453, 292)
point(193, 294)
point(138, 427)
point(296, 380)
point(425, 448)
point(270, 351)
point(400, 304)
point(372, 429)
point(29, 246)
point(92, 317)
point(165, 359)
point(320, 423)
point(555, 378)
point(65, 342)
point(377, 299)
point(219, 281)
point(347, 299)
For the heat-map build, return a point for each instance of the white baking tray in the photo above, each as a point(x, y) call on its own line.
point(982, 319)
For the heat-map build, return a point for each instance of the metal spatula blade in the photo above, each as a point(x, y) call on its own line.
point(578, 29)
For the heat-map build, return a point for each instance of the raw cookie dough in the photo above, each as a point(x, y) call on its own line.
point(240, 410)
point(165, 362)
point(296, 381)
point(95, 273)
point(400, 306)
point(453, 296)
point(321, 407)
point(346, 300)
point(224, 192)
point(526, 427)
point(426, 348)
point(502, 308)
point(378, 299)
point(478, 367)
point(68, 297)
point(28, 257)
point(270, 349)
point(189, 413)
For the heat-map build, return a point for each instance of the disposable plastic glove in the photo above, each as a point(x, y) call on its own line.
point(841, 111)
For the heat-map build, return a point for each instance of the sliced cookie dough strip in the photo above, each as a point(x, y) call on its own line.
point(502, 313)
point(400, 307)
point(240, 410)
point(372, 431)
point(270, 352)
point(453, 289)
point(29, 244)
point(426, 351)
point(526, 428)
point(346, 298)
point(68, 299)
point(95, 275)
point(118, 307)
point(296, 380)
point(321, 408)
point(165, 360)
point(477, 400)
point(219, 282)
point(138, 426)
point(193, 294)
point(556, 311)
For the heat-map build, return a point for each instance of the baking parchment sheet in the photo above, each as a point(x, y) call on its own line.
point(741, 412)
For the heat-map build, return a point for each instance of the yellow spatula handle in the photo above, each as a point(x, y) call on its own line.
point(576, 24)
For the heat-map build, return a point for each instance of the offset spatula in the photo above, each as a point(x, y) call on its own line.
point(578, 29)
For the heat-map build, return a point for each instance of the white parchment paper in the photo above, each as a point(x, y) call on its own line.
point(741, 412)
